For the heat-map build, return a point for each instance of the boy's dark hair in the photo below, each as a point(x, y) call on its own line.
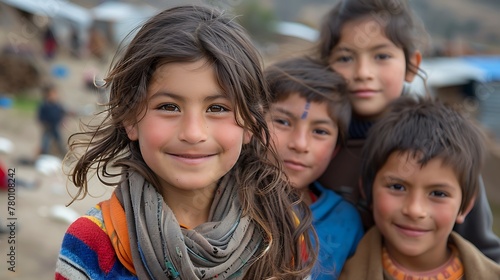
point(426, 129)
point(400, 24)
point(314, 81)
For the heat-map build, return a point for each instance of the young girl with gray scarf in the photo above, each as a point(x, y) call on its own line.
point(185, 134)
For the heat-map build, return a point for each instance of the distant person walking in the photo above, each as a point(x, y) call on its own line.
point(50, 115)
point(49, 43)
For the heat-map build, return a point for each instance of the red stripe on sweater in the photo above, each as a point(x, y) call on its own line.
point(97, 240)
point(60, 277)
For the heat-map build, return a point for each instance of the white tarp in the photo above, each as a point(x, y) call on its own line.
point(447, 71)
point(54, 9)
point(298, 30)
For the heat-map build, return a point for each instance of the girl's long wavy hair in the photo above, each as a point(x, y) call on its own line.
point(189, 34)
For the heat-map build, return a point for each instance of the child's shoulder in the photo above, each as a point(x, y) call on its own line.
point(331, 210)
point(87, 251)
point(333, 200)
point(476, 264)
point(87, 228)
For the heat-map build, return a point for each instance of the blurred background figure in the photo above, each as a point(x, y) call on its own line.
point(75, 42)
point(97, 43)
point(50, 115)
point(49, 43)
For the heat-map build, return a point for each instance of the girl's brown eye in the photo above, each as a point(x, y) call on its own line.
point(217, 109)
point(169, 107)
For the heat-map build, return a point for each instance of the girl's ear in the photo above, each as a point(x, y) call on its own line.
point(415, 60)
point(247, 136)
point(131, 130)
point(461, 215)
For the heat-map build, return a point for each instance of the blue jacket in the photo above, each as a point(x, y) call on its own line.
point(339, 229)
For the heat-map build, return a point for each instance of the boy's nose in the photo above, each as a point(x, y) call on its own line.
point(299, 141)
point(414, 207)
point(194, 129)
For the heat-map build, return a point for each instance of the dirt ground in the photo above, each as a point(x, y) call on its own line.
point(40, 222)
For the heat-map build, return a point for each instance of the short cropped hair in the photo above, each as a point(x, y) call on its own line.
point(314, 81)
point(426, 129)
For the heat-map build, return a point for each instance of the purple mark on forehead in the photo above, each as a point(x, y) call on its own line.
point(306, 110)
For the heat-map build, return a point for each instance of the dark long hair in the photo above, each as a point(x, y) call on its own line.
point(189, 34)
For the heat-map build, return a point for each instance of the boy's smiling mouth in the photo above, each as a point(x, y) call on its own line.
point(411, 231)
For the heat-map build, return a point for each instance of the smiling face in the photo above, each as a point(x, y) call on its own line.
point(374, 67)
point(188, 134)
point(304, 135)
point(415, 209)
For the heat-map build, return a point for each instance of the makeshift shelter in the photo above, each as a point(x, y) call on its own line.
point(118, 19)
point(472, 82)
point(64, 17)
point(55, 9)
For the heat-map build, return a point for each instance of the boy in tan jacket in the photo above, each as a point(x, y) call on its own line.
point(422, 168)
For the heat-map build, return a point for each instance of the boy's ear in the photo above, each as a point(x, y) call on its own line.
point(131, 130)
point(461, 215)
point(415, 60)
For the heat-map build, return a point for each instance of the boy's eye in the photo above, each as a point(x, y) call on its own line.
point(282, 122)
point(169, 107)
point(217, 109)
point(321, 132)
point(439, 194)
point(382, 56)
point(396, 187)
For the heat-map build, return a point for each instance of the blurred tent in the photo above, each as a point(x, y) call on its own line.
point(59, 9)
point(118, 19)
point(298, 30)
point(62, 16)
point(457, 71)
point(490, 65)
point(470, 81)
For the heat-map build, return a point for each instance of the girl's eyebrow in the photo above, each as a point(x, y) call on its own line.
point(342, 49)
point(381, 46)
point(160, 94)
point(374, 48)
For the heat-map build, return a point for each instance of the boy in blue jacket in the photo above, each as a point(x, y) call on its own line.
point(308, 115)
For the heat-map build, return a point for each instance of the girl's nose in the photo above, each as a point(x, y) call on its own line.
point(363, 70)
point(194, 129)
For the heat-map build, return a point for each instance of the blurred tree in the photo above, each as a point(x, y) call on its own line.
point(258, 19)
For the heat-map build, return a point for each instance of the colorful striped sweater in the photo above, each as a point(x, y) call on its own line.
point(87, 252)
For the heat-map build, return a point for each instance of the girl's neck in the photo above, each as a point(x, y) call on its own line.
point(358, 128)
point(191, 208)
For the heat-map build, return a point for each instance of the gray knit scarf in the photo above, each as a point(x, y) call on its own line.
point(220, 248)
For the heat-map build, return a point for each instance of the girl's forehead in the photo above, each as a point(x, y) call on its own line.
point(366, 26)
